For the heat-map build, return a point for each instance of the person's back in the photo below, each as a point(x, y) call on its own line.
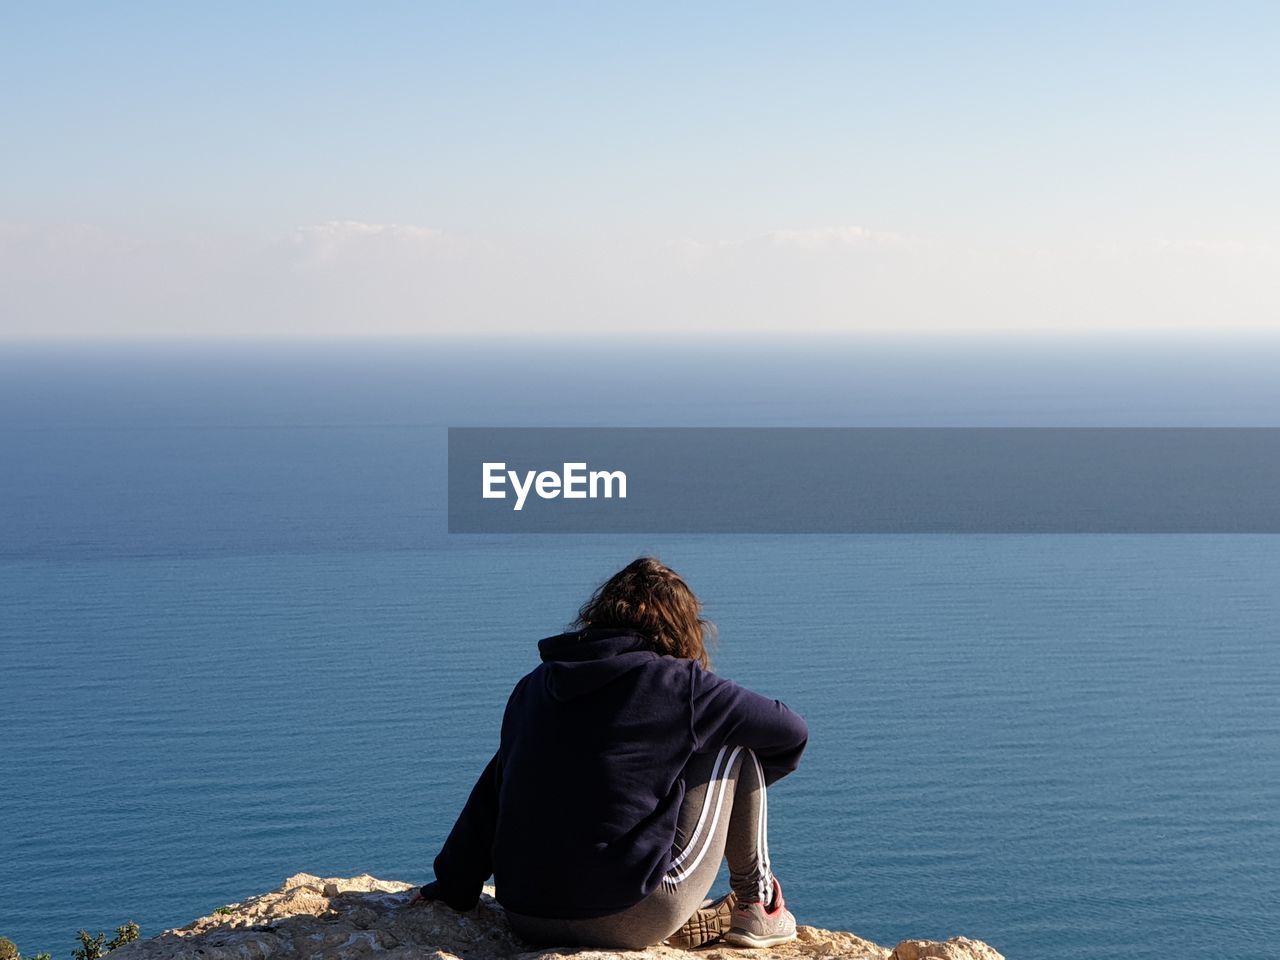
point(592, 751)
point(622, 769)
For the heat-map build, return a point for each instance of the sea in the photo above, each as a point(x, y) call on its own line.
point(237, 641)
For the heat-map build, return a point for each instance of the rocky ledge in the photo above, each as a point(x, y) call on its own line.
point(315, 918)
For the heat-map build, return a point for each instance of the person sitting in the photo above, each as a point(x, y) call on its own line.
point(626, 771)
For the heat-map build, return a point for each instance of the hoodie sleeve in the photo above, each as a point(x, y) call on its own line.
point(725, 713)
point(466, 859)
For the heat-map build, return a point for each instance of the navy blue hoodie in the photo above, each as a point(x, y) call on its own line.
point(575, 815)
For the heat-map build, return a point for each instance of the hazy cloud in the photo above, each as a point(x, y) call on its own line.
point(846, 237)
point(354, 277)
point(821, 238)
point(1221, 249)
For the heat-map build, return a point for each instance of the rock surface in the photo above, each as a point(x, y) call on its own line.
point(314, 918)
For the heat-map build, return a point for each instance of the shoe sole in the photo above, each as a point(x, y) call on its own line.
point(740, 938)
point(707, 924)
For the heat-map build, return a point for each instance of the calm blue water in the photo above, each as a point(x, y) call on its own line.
point(235, 642)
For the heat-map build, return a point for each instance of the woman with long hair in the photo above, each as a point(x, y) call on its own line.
point(626, 771)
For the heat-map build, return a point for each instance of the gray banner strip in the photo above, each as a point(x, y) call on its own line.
point(864, 480)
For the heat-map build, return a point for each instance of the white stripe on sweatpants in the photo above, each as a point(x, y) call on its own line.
point(762, 837)
point(706, 808)
point(675, 875)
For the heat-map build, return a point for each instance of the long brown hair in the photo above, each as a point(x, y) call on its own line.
point(653, 600)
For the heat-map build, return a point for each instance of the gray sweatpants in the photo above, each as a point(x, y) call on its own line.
point(725, 814)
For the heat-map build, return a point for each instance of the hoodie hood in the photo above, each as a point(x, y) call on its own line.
point(579, 663)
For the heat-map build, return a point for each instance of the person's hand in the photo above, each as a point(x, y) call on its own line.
point(428, 894)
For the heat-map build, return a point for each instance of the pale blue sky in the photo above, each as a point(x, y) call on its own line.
point(336, 169)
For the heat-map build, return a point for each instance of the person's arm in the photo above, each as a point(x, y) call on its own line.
point(466, 859)
point(725, 713)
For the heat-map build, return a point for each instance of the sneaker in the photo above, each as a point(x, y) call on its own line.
point(755, 926)
point(708, 923)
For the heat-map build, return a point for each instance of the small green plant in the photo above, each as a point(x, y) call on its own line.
point(124, 934)
point(94, 947)
point(9, 951)
point(90, 946)
point(222, 911)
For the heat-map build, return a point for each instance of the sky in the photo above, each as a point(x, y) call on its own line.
point(412, 169)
